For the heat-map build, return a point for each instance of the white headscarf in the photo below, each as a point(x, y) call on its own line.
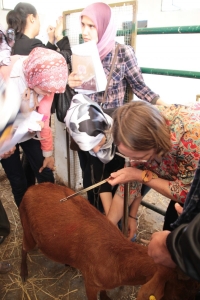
point(87, 123)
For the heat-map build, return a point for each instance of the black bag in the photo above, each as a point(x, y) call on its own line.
point(73, 145)
point(62, 103)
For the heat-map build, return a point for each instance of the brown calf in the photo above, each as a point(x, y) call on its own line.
point(75, 233)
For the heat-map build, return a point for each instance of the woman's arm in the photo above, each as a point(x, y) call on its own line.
point(37, 43)
point(133, 174)
point(135, 78)
point(51, 34)
point(46, 133)
point(116, 213)
point(61, 41)
point(106, 199)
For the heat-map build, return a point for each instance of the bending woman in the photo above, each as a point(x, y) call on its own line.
point(90, 127)
point(162, 144)
point(37, 77)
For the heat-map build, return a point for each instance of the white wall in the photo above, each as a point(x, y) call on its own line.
point(157, 18)
point(151, 8)
point(174, 51)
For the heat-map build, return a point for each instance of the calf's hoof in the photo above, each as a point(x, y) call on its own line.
point(104, 296)
point(24, 274)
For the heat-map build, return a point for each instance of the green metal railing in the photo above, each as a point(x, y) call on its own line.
point(156, 30)
point(162, 30)
point(177, 73)
point(169, 30)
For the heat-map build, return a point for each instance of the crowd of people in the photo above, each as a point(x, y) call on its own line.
point(160, 141)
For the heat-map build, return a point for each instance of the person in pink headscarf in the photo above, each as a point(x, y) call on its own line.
point(45, 73)
point(97, 23)
point(37, 77)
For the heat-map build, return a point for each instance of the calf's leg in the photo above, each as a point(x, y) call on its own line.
point(91, 293)
point(156, 285)
point(28, 243)
point(24, 268)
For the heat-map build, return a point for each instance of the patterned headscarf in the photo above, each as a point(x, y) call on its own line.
point(101, 15)
point(46, 69)
point(87, 123)
point(5, 50)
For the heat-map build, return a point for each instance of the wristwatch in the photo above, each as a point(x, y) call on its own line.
point(148, 175)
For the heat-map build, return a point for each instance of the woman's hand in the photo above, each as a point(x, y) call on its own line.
point(8, 153)
point(161, 102)
point(74, 80)
point(125, 175)
point(48, 163)
point(59, 29)
point(51, 34)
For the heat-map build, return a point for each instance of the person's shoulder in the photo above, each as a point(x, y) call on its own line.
point(183, 109)
point(24, 45)
point(30, 41)
point(20, 36)
point(125, 50)
point(171, 109)
point(36, 42)
point(185, 113)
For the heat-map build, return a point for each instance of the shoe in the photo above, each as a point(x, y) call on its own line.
point(5, 267)
point(134, 238)
point(2, 238)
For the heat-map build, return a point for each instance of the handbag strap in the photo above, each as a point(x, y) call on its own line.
point(110, 74)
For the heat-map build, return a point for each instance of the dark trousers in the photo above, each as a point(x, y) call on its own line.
point(4, 222)
point(94, 171)
point(30, 176)
point(15, 173)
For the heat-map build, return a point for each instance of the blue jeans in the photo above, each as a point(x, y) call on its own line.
point(15, 173)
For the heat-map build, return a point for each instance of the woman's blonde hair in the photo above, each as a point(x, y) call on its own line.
point(139, 126)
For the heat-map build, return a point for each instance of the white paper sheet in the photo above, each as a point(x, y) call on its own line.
point(22, 132)
point(87, 64)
